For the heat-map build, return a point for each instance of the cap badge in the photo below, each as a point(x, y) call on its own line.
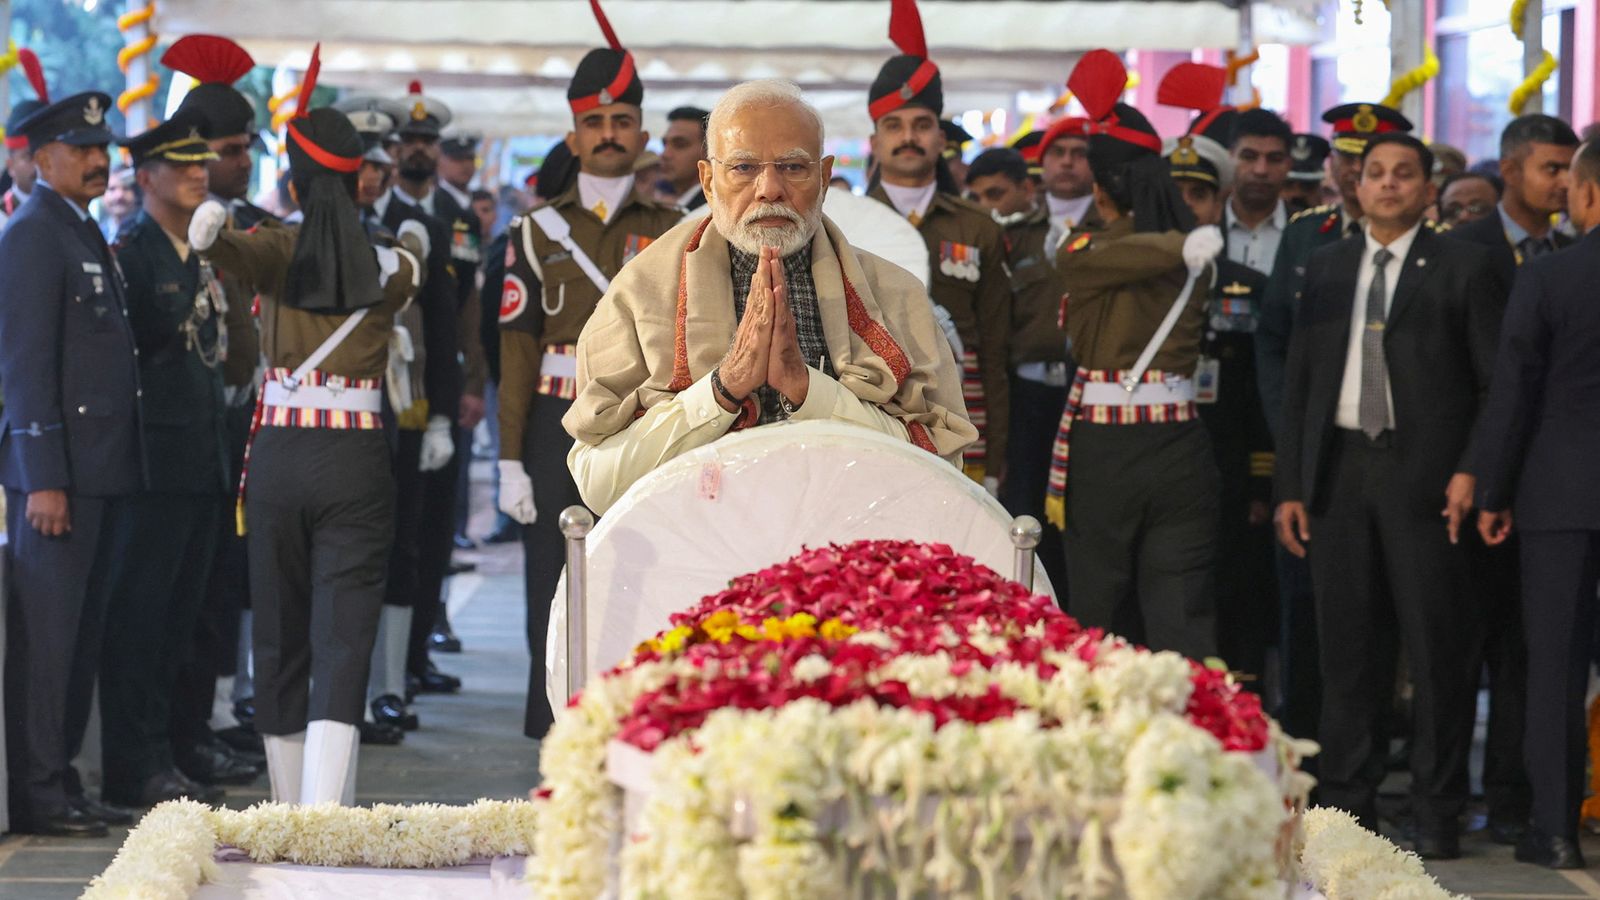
point(1364, 121)
point(419, 111)
point(92, 113)
point(605, 97)
point(1301, 150)
point(1185, 154)
point(906, 93)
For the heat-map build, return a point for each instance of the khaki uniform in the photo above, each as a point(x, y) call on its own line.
point(966, 252)
point(320, 504)
point(546, 301)
point(1141, 502)
point(1037, 289)
point(565, 298)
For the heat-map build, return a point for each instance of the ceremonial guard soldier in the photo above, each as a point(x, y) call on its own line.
point(223, 640)
point(166, 536)
point(69, 454)
point(965, 247)
point(420, 121)
point(19, 161)
point(560, 260)
point(406, 404)
point(1353, 125)
point(1139, 510)
point(998, 178)
point(320, 496)
point(1230, 405)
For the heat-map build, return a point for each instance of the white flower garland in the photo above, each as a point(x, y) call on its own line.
point(1347, 862)
point(171, 851)
point(1123, 774)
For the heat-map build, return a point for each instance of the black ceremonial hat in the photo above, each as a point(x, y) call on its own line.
point(1307, 153)
point(217, 63)
point(180, 140)
point(605, 75)
point(79, 120)
point(910, 79)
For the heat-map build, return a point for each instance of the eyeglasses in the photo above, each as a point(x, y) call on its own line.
point(794, 171)
point(1457, 210)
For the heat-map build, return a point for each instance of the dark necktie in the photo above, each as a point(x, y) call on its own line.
point(1531, 246)
point(1374, 410)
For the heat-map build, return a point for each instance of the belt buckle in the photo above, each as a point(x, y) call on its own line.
point(336, 384)
point(290, 383)
point(1129, 385)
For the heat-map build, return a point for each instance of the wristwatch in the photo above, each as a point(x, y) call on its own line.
point(789, 409)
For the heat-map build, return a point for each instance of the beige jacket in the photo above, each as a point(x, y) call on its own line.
point(646, 356)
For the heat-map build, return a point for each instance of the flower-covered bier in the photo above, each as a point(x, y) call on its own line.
point(892, 717)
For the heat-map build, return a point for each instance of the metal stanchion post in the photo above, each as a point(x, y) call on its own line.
point(576, 523)
point(1025, 534)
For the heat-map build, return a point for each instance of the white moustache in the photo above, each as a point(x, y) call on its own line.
point(769, 211)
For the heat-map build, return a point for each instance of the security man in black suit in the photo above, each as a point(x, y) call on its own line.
point(1535, 153)
point(69, 453)
point(166, 536)
point(1541, 435)
point(1388, 372)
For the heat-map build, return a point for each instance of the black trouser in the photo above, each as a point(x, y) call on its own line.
point(1035, 417)
point(320, 510)
point(403, 587)
point(1496, 575)
point(544, 549)
point(1300, 666)
point(435, 543)
point(55, 619)
point(216, 632)
point(163, 546)
point(1141, 532)
point(1560, 572)
point(1387, 578)
point(1247, 596)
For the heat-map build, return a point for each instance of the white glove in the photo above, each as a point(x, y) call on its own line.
point(992, 486)
point(204, 225)
point(1201, 247)
point(437, 445)
point(516, 492)
point(412, 228)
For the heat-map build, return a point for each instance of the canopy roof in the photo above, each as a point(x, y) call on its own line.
point(503, 65)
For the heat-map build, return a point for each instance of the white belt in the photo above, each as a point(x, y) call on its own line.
point(559, 365)
point(1108, 393)
point(1054, 374)
point(308, 396)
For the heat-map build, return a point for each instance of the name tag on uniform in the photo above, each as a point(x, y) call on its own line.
point(1207, 380)
point(93, 268)
point(554, 258)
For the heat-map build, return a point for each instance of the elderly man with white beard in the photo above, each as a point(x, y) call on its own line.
point(759, 314)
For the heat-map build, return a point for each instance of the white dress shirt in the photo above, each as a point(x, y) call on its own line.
point(1255, 247)
point(910, 201)
point(594, 189)
point(1348, 413)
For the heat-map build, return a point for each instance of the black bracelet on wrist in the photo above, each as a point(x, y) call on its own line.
point(719, 387)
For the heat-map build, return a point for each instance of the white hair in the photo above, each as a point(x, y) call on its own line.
point(765, 92)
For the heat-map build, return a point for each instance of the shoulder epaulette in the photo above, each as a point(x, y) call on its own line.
point(1313, 211)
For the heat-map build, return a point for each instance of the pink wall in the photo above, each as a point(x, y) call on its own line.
point(1585, 67)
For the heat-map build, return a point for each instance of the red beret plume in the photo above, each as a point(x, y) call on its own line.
point(35, 73)
point(302, 106)
point(1192, 85)
point(211, 59)
point(905, 28)
point(1098, 81)
point(605, 25)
